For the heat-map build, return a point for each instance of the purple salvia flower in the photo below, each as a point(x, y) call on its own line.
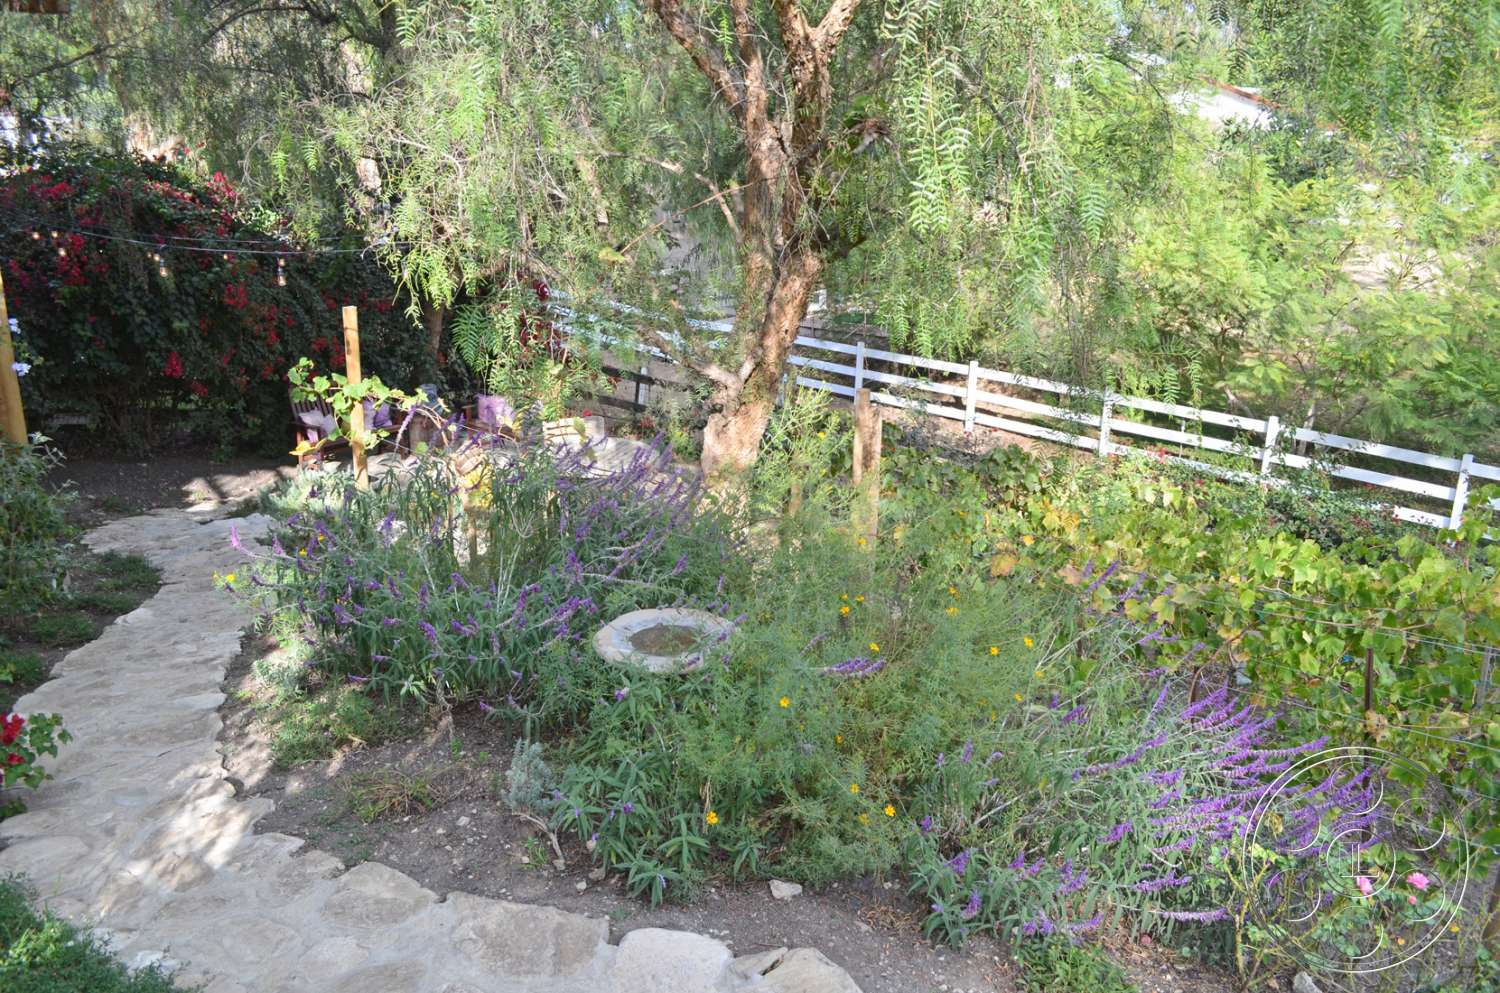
point(1120, 830)
point(1088, 925)
point(959, 863)
point(1171, 879)
point(1196, 916)
point(925, 824)
point(621, 694)
point(971, 909)
point(968, 752)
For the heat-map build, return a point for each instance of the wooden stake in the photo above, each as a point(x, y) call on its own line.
point(11, 414)
point(357, 414)
point(867, 420)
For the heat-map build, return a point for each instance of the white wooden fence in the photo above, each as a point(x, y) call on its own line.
point(1102, 422)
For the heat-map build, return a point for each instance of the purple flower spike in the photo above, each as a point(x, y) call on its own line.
point(971, 909)
point(959, 863)
point(621, 694)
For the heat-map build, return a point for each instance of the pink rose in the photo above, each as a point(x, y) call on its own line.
point(1363, 882)
point(1411, 898)
point(1418, 880)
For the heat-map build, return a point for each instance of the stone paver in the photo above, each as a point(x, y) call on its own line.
point(140, 835)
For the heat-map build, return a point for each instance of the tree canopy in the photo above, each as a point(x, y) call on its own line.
point(1025, 182)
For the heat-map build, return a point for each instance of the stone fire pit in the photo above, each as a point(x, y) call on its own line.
point(667, 639)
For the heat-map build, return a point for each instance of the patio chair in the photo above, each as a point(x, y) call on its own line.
point(315, 425)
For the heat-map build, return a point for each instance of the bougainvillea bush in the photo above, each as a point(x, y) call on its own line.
point(23, 741)
point(141, 294)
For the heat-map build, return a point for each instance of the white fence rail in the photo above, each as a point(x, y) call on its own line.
point(1098, 421)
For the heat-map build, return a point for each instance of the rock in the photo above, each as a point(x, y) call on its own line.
point(782, 890)
point(750, 967)
point(580, 886)
point(463, 821)
point(654, 960)
point(807, 970)
point(597, 875)
point(518, 941)
point(1303, 983)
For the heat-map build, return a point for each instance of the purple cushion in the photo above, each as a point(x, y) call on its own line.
point(490, 409)
point(380, 417)
point(317, 423)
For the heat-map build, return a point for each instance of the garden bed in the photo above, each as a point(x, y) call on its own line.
point(457, 836)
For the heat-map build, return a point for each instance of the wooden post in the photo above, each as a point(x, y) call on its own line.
point(867, 419)
point(1461, 492)
point(1273, 432)
point(971, 396)
point(357, 413)
point(1369, 686)
point(859, 366)
point(14, 418)
point(1105, 414)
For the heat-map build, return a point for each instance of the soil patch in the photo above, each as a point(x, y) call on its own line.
point(109, 487)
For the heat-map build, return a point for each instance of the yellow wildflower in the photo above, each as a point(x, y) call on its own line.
point(874, 647)
point(844, 610)
point(712, 818)
point(890, 811)
point(229, 578)
point(864, 818)
point(994, 649)
point(859, 598)
point(843, 596)
point(302, 552)
point(1027, 641)
point(320, 537)
point(838, 739)
point(1037, 674)
point(952, 611)
point(862, 543)
point(853, 787)
point(994, 716)
point(953, 591)
point(785, 702)
point(822, 434)
point(1027, 540)
point(1018, 698)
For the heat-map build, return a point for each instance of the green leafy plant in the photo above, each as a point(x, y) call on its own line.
point(34, 530)
point(24, 740)
point(41, 953)
point(1060, 966)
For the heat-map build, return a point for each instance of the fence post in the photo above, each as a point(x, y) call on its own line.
point(1461, 492)
point(10, 383)
point(971, 396)
point(1273, 432)
point(1104, 415)
point(640, 382)
point(357, 412)
point(859, 366)
point(866, 470)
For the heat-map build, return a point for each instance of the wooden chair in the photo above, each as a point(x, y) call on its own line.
point(313, 440)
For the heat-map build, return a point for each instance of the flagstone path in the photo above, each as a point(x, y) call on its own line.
point(140, 835)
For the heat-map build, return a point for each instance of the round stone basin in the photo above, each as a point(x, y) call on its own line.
point(659, 639)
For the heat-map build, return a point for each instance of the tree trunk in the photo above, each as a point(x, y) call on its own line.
point(433, 318)
point(733, 432)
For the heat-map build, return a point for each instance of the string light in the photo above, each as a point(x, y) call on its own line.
point(36, 235)
point(281, 272)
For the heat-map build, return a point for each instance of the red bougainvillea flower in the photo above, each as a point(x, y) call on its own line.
point(14, 758)
point(199, 390)
point(10, 729)
point(236, 296)
point(173, 368)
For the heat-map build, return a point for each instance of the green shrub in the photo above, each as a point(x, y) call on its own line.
point(125, 572)
point(1060, 966)
point(34, 530)
point(64, 628)
point(40, 953)
point(310, 727)
point(20, 668)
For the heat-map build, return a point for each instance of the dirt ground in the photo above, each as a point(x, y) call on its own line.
point(108, 488)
